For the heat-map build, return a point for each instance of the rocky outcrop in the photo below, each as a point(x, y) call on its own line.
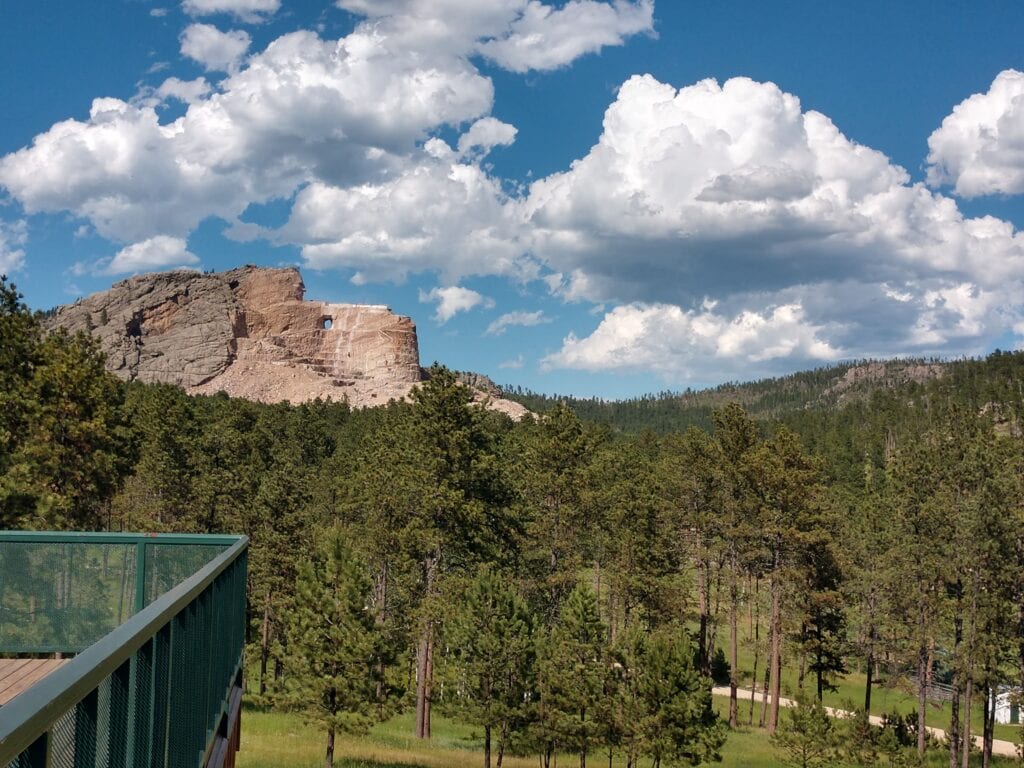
point(249, 332)
point(890, 374)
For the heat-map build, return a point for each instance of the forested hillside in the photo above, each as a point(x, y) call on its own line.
point(563, 585)
point(822, 389)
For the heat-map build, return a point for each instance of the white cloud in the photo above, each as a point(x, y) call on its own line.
point(979, 148)
point(435, 213)
point(544, 37)
point(304, 110)
point(185, 91)
point(345, 116)
point(514, 363)
point(732, 193)
point(485, 134)
point(522, 318)
point(158, 252)
point(681, 345)
point(518, 35)
point(250, 11)
point(452, 300)
point(217, 51)
point(158, 13)
point(13, 235)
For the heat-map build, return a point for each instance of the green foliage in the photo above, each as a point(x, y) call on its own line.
point(807, 736)
point(571, 669)
point(493, 648)
point(331, 661)
point(64, 444)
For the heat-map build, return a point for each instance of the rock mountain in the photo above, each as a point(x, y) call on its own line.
point(250, 333)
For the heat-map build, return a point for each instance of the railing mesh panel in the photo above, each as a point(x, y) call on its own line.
point(164, 704)
point(66, 596)
point(61, 596)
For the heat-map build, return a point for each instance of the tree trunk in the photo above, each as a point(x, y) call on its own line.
point(922, 696)
point(870, 672)
point(733, 647)
point(702, 609)
point(329, 758)
point(990, 726)
point(757, 647)
point(776, 654)
point(502, 740)
point(381, 598)
point(954, 719)
point(425, 658)
point(265, 645)
point(583, 742)
point(487, 746)
point(764, 691)
point(966, 735)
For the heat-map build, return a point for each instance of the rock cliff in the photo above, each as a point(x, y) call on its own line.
point(250, 333)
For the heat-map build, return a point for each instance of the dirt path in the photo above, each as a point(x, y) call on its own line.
point(999, 747)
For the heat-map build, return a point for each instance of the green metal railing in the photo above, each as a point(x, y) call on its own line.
point(158, 622)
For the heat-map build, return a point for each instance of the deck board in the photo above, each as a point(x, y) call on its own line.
point(17, 675)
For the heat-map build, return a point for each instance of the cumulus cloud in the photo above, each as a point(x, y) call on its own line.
point(217, 51)
point(544, 37)
point(518, 35)
point(485, 134)
point(452, 300)
point(304, 110)
point(332, 115)
point(250, 11)
point(435, 213)
point(732, 193)
point(979, 148)
point(185, 91)
point(522, 318)
point(160, 252)
point(13, 235)
point(682, 345)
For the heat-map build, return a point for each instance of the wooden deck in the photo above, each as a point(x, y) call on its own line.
point(16, 675)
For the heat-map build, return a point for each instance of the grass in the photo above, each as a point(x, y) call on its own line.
point(850, 690)
point(283, 740)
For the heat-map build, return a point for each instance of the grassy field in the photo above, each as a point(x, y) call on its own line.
point(850, 690)
point(280, 740)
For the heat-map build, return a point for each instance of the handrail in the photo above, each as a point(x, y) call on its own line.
point(69, 537)
point(31, 713)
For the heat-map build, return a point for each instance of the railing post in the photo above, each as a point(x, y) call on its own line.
point(118, 708)
point(39, 754)
point(85, 731)
point(140, 576)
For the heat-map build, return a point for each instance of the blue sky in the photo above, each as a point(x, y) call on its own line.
point(593, 197)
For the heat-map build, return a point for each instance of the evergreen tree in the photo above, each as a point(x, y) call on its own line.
point(462, 510)
point(572, 667)
point(492, 643)
point(807, 737)
point(331, 662)
point(74, 447)
point(680, 726)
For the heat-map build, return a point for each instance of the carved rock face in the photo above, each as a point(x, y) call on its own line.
point(250, 333)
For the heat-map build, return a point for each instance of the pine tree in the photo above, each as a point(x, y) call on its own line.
point(491, 637)
point(806, 738)
point(74, 448)
point(461, 512)
point(331, 662)
point(680, 725)
point(572, 667)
